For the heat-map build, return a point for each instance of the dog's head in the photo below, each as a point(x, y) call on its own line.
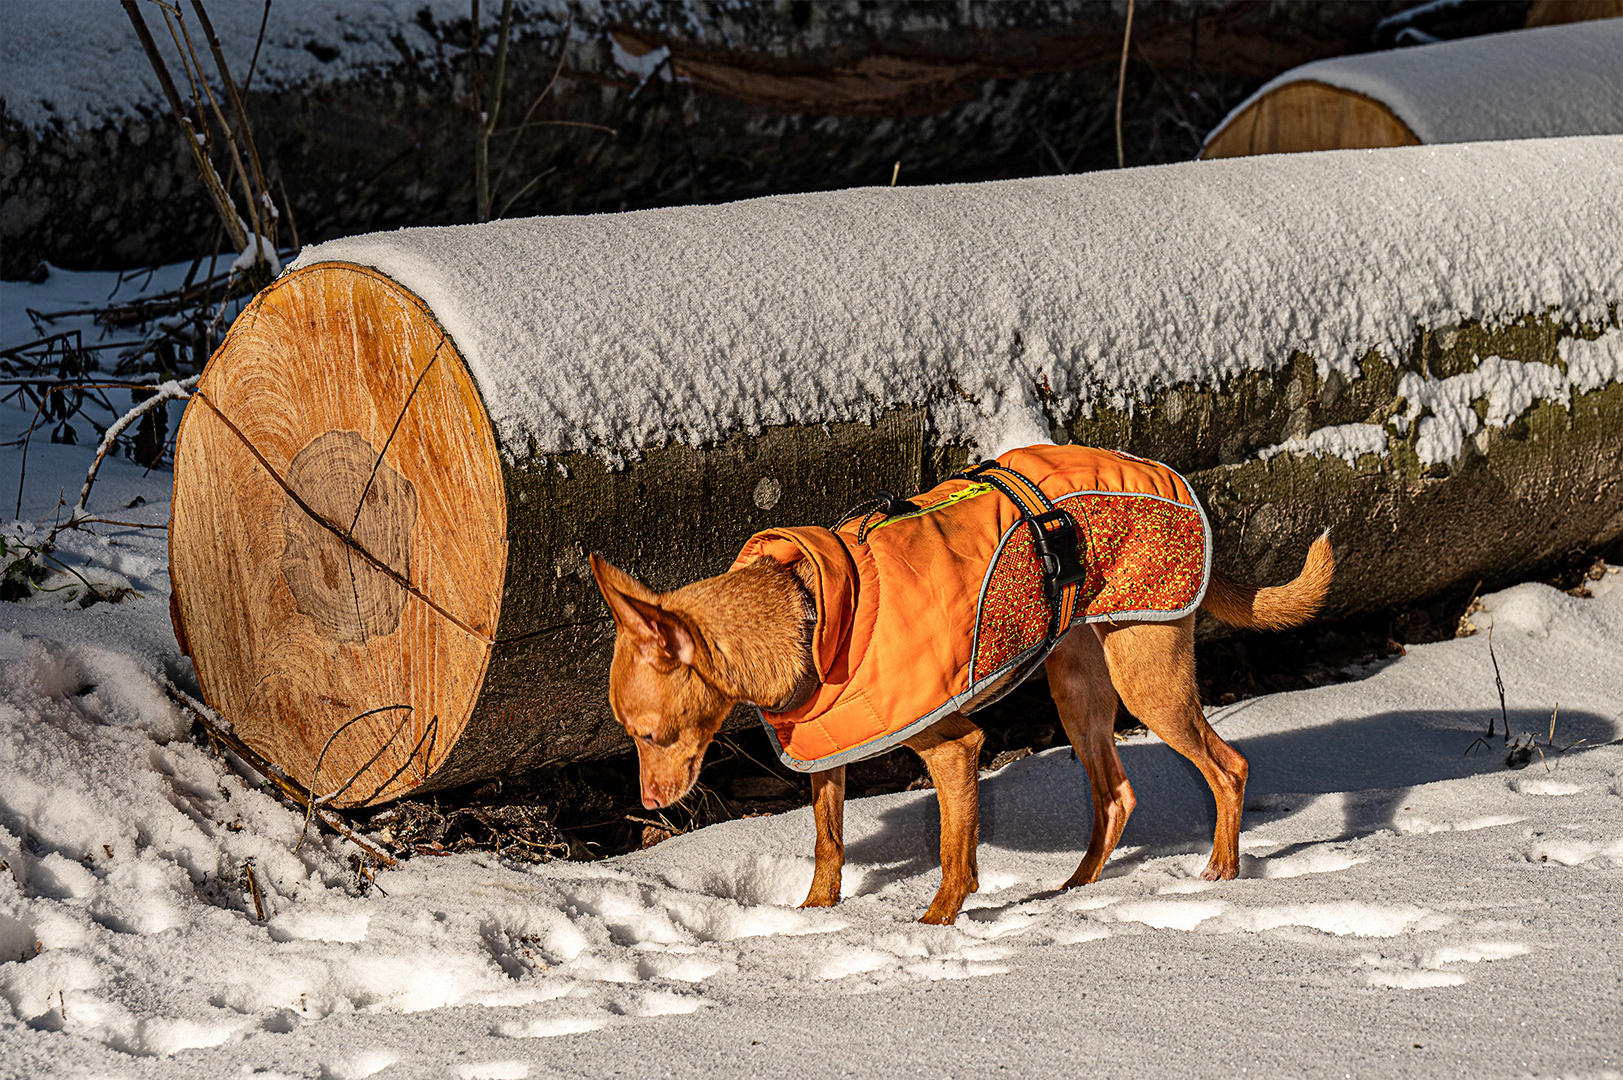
point(661, 686)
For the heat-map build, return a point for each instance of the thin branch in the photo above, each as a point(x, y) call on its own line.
point(219, 732)
point(169, 391)
point(563, 123)
point(195, 142)
point(237, 107)
point(251, 883)
point(487, 122)
point(260, 40)
point(310, 799)
point(1121, 84)
point(236, 154)
point(287, 206)
point(525, 190)
point(1500, 684)
point(507, 161)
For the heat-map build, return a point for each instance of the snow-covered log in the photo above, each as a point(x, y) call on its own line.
point(1526, 84)
point(391, 473)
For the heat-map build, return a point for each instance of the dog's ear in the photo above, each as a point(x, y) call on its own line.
point(663, 639)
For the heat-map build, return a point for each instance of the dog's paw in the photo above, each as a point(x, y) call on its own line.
point(943, 910)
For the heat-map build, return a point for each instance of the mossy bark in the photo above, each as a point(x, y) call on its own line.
point(1518, 498)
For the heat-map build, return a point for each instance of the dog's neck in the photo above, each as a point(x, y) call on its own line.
point(756, 624)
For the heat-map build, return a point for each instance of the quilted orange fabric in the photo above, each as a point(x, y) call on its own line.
point(936, 606)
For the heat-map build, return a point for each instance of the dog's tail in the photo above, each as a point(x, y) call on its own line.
point(1281, 606)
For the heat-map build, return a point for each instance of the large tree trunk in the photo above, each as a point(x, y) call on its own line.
point(389, 482)
point(749, 100)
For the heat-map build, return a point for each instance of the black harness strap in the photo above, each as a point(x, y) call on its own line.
point(1054, 539)
point(1054, 535)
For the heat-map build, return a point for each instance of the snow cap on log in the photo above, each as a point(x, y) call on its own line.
point(1526, 84)
point(996, 306)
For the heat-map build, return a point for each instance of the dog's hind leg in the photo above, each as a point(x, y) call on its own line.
point(1153, 667)
point(828, 808)
point(951, 750)
point(1080, 682)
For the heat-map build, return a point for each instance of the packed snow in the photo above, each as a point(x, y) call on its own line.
point(1445, 408)
point(1525, 84)
point(620, 332)
point(1349, 442)
point(1407, 905)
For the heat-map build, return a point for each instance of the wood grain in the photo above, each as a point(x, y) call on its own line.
point(1556, 12)
point(338, 543)
point(1308, 115)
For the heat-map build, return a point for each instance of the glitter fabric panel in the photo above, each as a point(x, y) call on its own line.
point(1142, 554)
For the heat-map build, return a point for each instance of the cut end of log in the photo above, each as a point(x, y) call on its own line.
point(1308, 115)
point(339, 538)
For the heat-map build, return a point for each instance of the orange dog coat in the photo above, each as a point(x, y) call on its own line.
point(945, 605)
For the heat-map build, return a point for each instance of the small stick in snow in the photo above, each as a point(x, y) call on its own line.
point(1500, 683)
point(251, 884)
point(1519, 748)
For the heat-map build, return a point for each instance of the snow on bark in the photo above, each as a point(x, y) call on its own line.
point(985, 302)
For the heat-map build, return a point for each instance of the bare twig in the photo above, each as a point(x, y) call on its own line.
point(487, 121)
point(525, 190)
point(259, 186)
point(197, 142)
point(251, 884)
point(172, 13)
point(220, 733)
point(1121, 84)
point(169, 391)
point(310, 799)
point(507, 161)
point(1500, 684)
point(293, 225)
point(260, 40)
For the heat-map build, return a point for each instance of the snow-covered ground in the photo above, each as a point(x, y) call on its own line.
point(1405, 908)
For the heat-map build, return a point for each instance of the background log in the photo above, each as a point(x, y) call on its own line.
point(365, 119)
point(1525, 84)
point(530, 392)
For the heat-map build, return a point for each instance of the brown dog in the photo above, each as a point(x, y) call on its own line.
point(684, 659)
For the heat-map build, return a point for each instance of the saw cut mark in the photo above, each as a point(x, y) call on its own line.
point(360, 503)
point(336, 470)
point(344, 537)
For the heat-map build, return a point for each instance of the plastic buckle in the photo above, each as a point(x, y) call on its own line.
point(1053, 537)
point(893, 505)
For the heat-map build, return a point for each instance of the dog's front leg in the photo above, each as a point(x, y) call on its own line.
point(828, 808)
point(952, 752)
